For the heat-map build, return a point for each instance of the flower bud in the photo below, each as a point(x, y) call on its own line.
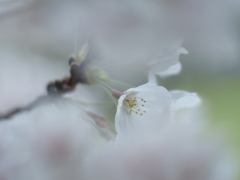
point(94, 75)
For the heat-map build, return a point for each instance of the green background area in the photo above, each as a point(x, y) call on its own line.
point(221, 95)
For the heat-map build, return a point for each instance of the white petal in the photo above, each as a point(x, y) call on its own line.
point(155, 110)
point(161, 63)
point(182, 50)
point(121, 119)
point(167, 63)
point(151, 77)
point(184, 99)
point(83, 52)
point(172, 70)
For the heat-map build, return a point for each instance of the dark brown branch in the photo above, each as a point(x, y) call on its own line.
point(39, 101)
point(55, 89)
point(68, 84)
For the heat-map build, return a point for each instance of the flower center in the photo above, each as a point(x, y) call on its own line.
point(134, 105)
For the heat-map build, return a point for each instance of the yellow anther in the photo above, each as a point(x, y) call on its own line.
point(131, 103)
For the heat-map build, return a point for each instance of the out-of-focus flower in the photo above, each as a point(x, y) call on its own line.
point(162, 61)
point(82, 54)
point(50, 142)
point(167, 62)
point(177, 151)
point(183, 99)
point(56, 141)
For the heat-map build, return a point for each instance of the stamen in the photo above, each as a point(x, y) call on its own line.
point(131, 105)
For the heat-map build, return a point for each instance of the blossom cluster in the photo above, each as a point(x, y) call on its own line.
point(156, 133)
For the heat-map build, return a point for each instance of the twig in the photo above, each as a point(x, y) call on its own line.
point(55, 89)
point(39, 101)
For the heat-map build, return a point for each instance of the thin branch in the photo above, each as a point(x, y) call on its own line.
point(40, 100)
point(55, 89)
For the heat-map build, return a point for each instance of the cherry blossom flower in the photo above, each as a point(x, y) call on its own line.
point(149, 107)
point(147, 146)
point(166, 62)
point(178, 155)
point(50, 142)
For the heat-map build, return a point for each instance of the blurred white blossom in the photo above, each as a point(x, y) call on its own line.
point(177, 151)
point(156, 133)
point(50, 142)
